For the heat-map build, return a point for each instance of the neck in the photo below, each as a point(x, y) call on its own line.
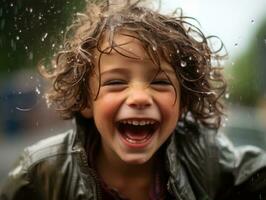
point(124, 177)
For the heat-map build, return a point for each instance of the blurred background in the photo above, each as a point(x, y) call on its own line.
point(31, 31)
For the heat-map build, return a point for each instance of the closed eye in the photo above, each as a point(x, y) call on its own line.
point(161, 82)
point(114, 82)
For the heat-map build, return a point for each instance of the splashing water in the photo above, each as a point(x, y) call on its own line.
point(183, 64)
point(44, 37)
point(37, 90)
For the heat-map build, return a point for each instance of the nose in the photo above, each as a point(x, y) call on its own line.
point(139, 98)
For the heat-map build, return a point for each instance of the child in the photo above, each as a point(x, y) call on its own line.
point(147, 103)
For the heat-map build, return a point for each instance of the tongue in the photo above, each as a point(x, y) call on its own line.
point(136, 133)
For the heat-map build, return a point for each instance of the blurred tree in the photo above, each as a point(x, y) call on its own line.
point(249, 72)
point(30, 30)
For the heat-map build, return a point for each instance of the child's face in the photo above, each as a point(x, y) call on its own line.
point(133, 112)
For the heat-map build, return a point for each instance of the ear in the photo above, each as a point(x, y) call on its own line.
point(87, 112)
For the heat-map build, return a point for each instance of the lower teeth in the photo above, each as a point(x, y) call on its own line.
point(137, 141)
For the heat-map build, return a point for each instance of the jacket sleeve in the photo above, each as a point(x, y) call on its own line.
point(242, 168)
point(18, 184)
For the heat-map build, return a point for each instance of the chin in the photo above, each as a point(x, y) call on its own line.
point(135, 159)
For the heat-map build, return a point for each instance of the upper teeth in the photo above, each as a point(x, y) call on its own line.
point(138, 122)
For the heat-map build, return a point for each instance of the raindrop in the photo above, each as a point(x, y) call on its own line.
point(236, 44)
point(19, 92)
point(227, 95)
point(177, 51)
point(154, 48)
point(40, 17)
point(190, 58)
point(183, 63)
point(198, 71)
point(30, 55)
point(265, 41)
point(17, 38)
point(45, 35)
point(53, 45)
point(61, 46)
point(62, 32)
point(31, 10)
point(13, 45)
point(24, 109)
point(252, 21)
point(3, 22)
point(20, 31)
point(26, 47)
point(37, 90)
point(11, 5)
point(31, 77)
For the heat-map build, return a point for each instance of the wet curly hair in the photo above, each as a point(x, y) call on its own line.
point(173, 36)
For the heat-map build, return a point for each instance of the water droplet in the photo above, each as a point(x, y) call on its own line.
point(53, 45)
point(31, 77)
point(40, 17)
point(17, 37)
point(190, 58)
point(23, 109)
point(62, 32)
point(11, 5)
point(37, 90)
point(61, 46)
point(236, 44)
point(45, 35)
point(31, 10)
point(19, 92)
point(26, 47)
point(183, 63)
point(154, 48)
point(3, 22)
point(13, 44)
point(227, 95)
point(252, 21)
point(30, 55)
point(177, 51)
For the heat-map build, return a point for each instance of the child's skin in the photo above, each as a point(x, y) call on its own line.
point(130, 91)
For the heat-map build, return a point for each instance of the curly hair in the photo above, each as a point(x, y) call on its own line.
point(178, 41)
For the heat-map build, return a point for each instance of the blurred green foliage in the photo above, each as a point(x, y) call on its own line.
point(30, 30)
point(248, 82)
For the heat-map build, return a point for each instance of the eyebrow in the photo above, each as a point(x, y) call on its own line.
point(116, 70)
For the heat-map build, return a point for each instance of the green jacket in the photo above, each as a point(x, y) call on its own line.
point(201, 164)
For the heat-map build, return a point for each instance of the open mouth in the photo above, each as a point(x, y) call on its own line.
point(137, 131)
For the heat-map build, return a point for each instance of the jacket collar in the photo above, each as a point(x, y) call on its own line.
point(178, 183)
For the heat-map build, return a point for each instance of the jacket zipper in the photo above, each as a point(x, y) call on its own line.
point(83, 157)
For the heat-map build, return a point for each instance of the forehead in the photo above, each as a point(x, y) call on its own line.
point(126, 46)
point(124, 42)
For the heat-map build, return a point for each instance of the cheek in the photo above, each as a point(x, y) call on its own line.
point(106, 106)
point(170, 106)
